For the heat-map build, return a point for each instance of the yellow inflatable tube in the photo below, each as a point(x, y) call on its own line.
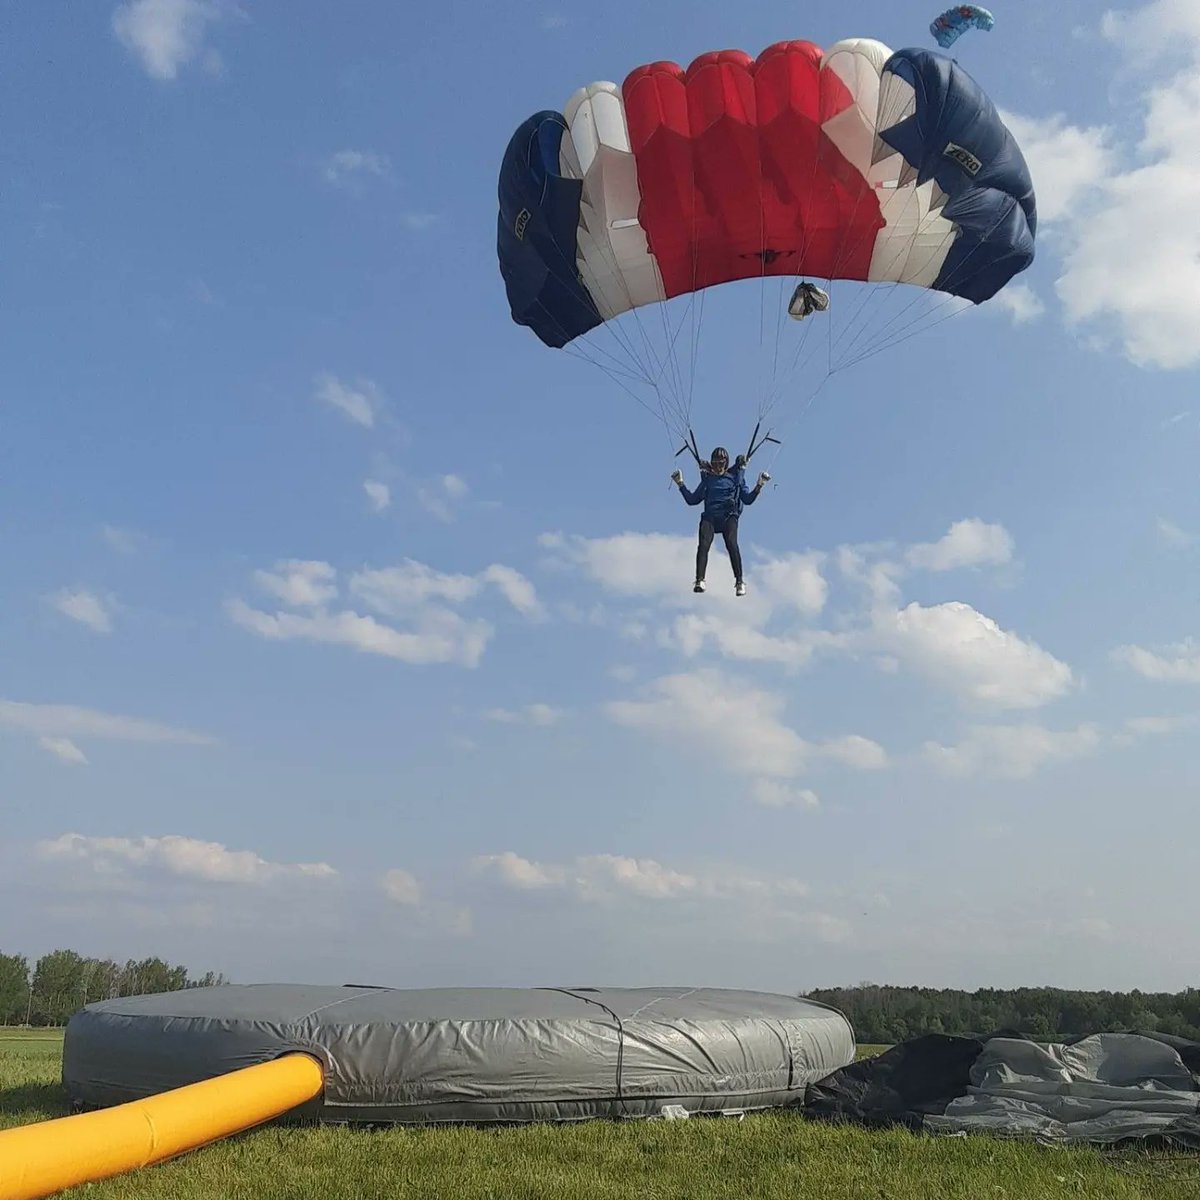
point(38, 1160)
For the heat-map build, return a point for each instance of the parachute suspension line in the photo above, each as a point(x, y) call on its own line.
point(956, 303)
point(697, 323)
point(921, 322)
point(812, 354)
point(614, 374)
point(845, 249)
point(612, 370)
point(616, 378)
point(792, 418)
point(651, 373)
point(880, 334)
point(864, 300)
point(768, 401)
point(611, 327)
point(761, 385)
point(778, 334)
point(955, 310)
point(697, 326)
point(671, 359)
point(670, 367)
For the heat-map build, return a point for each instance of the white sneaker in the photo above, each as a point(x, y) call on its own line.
point(698, 586)
point(740, 588)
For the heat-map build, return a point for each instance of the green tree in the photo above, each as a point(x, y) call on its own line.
point(57, 988)
point(14, 988)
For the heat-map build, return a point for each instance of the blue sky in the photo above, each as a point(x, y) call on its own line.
point(347, 630)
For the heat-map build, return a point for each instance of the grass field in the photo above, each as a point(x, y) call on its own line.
point(774, 1156)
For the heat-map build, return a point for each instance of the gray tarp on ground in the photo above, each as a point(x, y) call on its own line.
point(1099, 1089)
point(469, 1054)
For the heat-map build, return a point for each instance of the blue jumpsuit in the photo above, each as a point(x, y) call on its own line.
point(723, 496)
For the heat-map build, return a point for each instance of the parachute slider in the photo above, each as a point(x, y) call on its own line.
point(806, 300)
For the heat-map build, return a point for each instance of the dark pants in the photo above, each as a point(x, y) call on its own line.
point(728, 529)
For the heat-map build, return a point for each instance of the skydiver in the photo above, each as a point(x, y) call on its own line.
point(723, 491)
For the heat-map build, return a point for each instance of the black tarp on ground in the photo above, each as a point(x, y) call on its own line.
point(1097, 1089)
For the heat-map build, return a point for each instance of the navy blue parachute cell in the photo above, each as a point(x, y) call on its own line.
point(536, 235)
point(955, 136)
point(954, 22)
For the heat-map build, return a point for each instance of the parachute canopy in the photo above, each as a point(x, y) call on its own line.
point(854, 163)
point(954, 22)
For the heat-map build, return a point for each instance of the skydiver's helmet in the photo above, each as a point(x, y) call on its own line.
point(719, 460)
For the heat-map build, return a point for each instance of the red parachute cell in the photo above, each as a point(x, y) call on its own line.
point(738, 177)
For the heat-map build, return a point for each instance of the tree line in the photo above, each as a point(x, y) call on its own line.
point(62, 982)
point(884, 1014)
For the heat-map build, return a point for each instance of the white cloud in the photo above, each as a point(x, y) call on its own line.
point(412, 593)
point(185, 857)
point(347, 165)
point(692, 633)
point(124, 541)
point(1067, 162)
point(1161, 726)
point(455, 486)
point(594, 878)
point(969, 543)
point(854, 751)
point(394, 591)
point(439, 636)
point(1021, 303)
point(67, 721)
point(1124, 215)
point(541, 715)
point(402, 887)
point(1179, 663)
point(166, 35)
point(660, 567)
point(598, 875)
point(1012, 751)
point(631, 564)
point(952, 644)
point(443, 497)
point(1172, 536)
point(553, 21)
point(1149, 214)
point(299, 583)
point(520, 873)
point(727, 718)
point(359, 403)
point(771, 793)
point(418, 222)
point(1163, 27)
point(379, 494)
point(794, 580)
point(64, 749)
point(960, 648)
point(85, 607)
point(721, 717)
point(515, 588)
